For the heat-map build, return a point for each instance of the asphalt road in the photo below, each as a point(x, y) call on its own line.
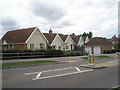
point(97, 78)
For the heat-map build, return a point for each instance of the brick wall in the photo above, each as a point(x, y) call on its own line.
point(14, 47)
point(105, 47)
point(20, 47)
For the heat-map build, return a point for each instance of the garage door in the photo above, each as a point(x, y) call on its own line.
point(97, 50)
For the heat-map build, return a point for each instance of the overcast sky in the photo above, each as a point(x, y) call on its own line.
point(62, 16)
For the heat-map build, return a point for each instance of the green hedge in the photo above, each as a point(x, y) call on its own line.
point(13, 54)
point(111, 51)
point(75, 53)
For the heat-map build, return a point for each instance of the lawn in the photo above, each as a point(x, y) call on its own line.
point(27, 63)
point(98, 57)
point(117, 88)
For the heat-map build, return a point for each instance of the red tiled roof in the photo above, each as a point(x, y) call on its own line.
point(50, 36)
point(114, 38)
point(18, 36)
point(75, 38)
point(63, 37)
point(98, 41)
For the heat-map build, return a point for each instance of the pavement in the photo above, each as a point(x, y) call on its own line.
point(64, 75)
point(102, 65)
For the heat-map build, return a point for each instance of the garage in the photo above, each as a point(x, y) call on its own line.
point(97, 50)
point(97, 45)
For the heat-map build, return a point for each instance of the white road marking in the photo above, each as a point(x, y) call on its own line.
point(58, 69)
point(62, 75)
point(49, 70)
point(31, 73)
point(77, 69)
point(38, 75)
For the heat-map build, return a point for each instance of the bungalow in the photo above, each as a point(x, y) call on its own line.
point(97, 45)
point(32, 38)
point(59, 41)
point(28, 38)
point(86, 39)
point(69, 43)
point(114, 40)
point(55, 41)
point(81, 41)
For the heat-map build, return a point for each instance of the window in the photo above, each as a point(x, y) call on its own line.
point(41, 45)
point(113, 42)
point(13, 46)
point(53, 47)
point(67, 47)
point(31, 46)
point(8, 46)
point(59, 47)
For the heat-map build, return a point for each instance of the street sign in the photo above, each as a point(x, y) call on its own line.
point(117, 56)
point(91, 59)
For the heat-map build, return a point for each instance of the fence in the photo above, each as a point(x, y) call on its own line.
point(24, 55)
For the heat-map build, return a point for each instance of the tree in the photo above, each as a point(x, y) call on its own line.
point(90, 34)
point(84, 34)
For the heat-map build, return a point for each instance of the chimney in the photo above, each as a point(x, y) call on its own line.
point(73, 34)
point(114, 35)
point(50, 31)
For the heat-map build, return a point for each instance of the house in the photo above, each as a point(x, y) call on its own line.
point(69, 43)
point(97, 45)
point(59, 41)
point(114, 40)
point(50, 37)
point(86, 39)
point(55, 41)
point(80, 41)
point(27, 38)
point(0, 44)
point(32, 38)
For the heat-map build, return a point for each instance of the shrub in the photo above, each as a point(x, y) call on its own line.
point(111, 51)
point(74, 53)
point(39, 53)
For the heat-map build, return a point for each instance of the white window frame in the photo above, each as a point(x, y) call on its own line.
point(42, 46)
point(54, 47)
point(67, 47)
point(113, 42)
point(59, 47)
point(31, 46)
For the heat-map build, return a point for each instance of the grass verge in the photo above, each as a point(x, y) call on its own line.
point(98, 57)
point(117, 88)
point(26, 63)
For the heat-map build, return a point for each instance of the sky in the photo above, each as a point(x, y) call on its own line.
point(62, 16)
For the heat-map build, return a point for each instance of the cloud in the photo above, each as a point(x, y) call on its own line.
point(47, 10)
point(110, 25)
point(63, 16)
point(8, 23)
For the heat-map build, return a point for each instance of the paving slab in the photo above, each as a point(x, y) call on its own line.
point(102, 65)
